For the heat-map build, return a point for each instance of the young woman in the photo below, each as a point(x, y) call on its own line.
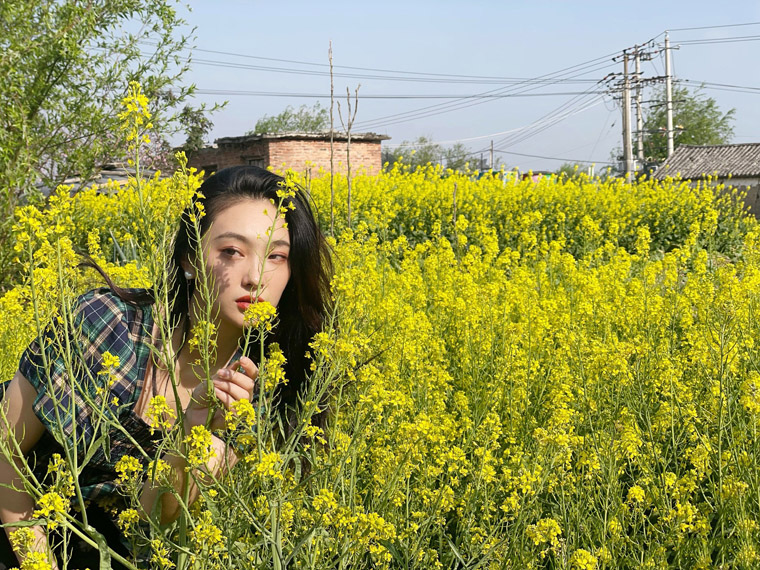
point(250, 256)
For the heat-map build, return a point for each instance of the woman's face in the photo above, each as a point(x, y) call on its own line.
point(247, 252)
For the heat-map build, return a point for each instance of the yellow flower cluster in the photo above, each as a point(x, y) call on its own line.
point(203, 335)
point(207, 538)
point(273, 370)
point(51, 506)
point(268, 466)
point(109, 366)
point(583, 560)
point(261, 314)
point(22, 539)
point(127, 519)
point(521, 375)
point(242, 414)
point(285, 194)
point(64, 480)
point(545, 531)
point(160, 471)
point(127, 468)
point(160, 555)
point(159, 414)
point(36, 561)
point(199, 447)
point(110, 362)
point(136, 117)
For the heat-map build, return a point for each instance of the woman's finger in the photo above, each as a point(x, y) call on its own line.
point(247, 367)
point(229, 386)
point(235, 391)
point(224, 397)
point(246, 378)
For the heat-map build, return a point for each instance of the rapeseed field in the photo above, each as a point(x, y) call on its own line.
point(552, 374)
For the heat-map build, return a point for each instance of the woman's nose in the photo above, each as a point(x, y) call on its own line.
point(253, 274)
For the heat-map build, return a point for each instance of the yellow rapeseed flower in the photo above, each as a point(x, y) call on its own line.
point(261, 314)
point(159, 414)
point(51, 506)
point(199, 447)
point(127, 519)
point(583, 560)
point(127, 467)
point(36, 561)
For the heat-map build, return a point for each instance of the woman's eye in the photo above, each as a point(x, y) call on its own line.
point(278, 257)
point(231, 251)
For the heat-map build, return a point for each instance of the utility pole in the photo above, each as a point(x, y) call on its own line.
point(669, 96)
point(627, 143)
point(618, 83)
point(639, 116)
point(492, 155)
point(332, 144)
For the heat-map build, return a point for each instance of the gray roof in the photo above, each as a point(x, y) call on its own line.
point(691, 161)
point(117, 172)
point(320, 136)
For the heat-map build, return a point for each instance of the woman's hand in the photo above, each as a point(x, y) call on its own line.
point(230, 384)
point(235, 382)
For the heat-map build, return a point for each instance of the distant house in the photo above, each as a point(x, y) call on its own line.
point(115, 172)
point(292, 150)
point(736, 165)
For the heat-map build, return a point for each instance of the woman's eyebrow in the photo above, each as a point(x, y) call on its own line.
point(233, 235)
point(244, 239)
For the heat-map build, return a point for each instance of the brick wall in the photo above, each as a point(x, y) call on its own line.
point(290, 153)
point(211, 159)
point(295, 154)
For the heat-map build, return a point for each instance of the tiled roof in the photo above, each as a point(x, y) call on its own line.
point(117, 172)
point(690, 161)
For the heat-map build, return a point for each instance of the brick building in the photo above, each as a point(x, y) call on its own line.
point(292, 150)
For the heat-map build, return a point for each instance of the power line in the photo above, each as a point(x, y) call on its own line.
point(550, 119)
point(418, 145)
point(547, 122)
point(455, 103)
point(601, 132)
point(548, 79)
point(433, 110)
point(366, 77)
point(715, 27)
point(723, 86)
point(725, 40)
point(745, 91)
point(517, 129)
point(404, 76)
point(552, 157)
point(233, 93)
point(325, 65)
point(512, 87)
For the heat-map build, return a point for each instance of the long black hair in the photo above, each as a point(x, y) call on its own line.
point(305, 302)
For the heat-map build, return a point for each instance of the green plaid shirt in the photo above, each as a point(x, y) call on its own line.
point(106, 324)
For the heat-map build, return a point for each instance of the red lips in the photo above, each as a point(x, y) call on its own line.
point(248, 299)
point(245, 301)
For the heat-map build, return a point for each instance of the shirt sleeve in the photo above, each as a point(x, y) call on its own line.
point(65, 366)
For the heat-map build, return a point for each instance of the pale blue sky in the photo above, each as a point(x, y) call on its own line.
point(496, 39)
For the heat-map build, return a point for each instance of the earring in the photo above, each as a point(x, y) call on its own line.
point(189, 275)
